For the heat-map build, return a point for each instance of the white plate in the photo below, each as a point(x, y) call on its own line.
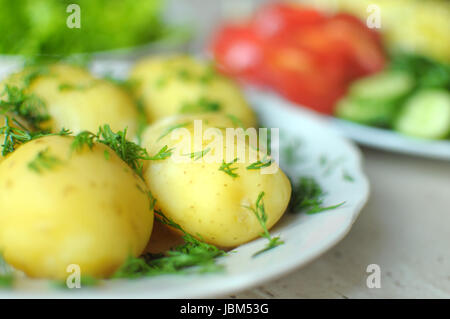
point(393, 141)
point(306, 236)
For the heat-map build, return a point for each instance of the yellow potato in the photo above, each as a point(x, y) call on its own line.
point(60, 207)
point(203, 199)
point(181, 84)
point(78, 101)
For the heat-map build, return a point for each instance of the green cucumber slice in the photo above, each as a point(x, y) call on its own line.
point(426, 115)
point(385, 86)
point(367, 112)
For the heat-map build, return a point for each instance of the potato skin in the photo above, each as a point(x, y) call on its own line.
point(90, 210)
point(166, 84)
point(78, 101)
point(209, 202)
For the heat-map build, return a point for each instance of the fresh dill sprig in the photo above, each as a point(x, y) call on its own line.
point(141, 119)
point(307, 196)
point(194, 256)
point(226, 168)
point(202, 105)
point(260, 164)
point(236, 121)
point(82, 139)
point(129, 152)
point(43, 161)
point(171, 128)
point(27, 106)
point(198, 155)
point(18, 135)
point(75, 87)
point(163, 153)
point(347, 177)
point(6, 274)
point(260, 213)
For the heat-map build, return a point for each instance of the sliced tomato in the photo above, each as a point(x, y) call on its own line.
point(275, 19)
point(362, 44)
point(304, 77)
point(239, 52)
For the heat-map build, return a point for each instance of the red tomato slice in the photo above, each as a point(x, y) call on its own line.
point(278, 18)
point(303, 77)
point(362, 44)
point(239, 52)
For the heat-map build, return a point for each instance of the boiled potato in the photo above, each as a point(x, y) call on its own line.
point(180, 84)
point(191, 189)
point(60, 206)
point(78, 101)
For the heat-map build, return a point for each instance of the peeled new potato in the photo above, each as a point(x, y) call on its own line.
point(192, 191)
point(182, 85)
point(78, 101)
point(60, 206)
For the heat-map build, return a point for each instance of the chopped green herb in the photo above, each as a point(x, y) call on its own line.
point(82, 139)
point(160, 83)
point(198, 155)
point(141, 120)
point(77, 87)
point(347, 177)
point(226, 168)
point(28, 106)
point(172, 128)
point(194, 256)
point(15, 136)
point(6, 274)
point(329, 166)
point(260, 213)
point(184, 74)
point(106, 154)
point(260, 164)
point(202, 105)
point(129, 152)
point(307, 196)
point(43, 161)
point(236, 121)
point(163, 153)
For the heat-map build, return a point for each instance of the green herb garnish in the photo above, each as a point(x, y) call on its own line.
point(261, 215)
point(75, 87)
point(194, 256)
point(18, 135)
point(236, 121)
point(260, 164)
point(198, 155)
point(6, 274)
point(43, 161)
point(129, 152)
point(201, 106)
point(163, 153)
point(307, 196)
point(172, 128)
point(226, 168)
point(82, 139)
point(28, 106)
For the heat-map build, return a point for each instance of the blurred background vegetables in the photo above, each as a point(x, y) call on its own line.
point(307, 56)
point(415, 26)
point(31, 27)
point(323, 55)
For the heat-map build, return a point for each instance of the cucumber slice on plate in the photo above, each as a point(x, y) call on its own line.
point(383, 86)
point(378, 113)
point(426, 115)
